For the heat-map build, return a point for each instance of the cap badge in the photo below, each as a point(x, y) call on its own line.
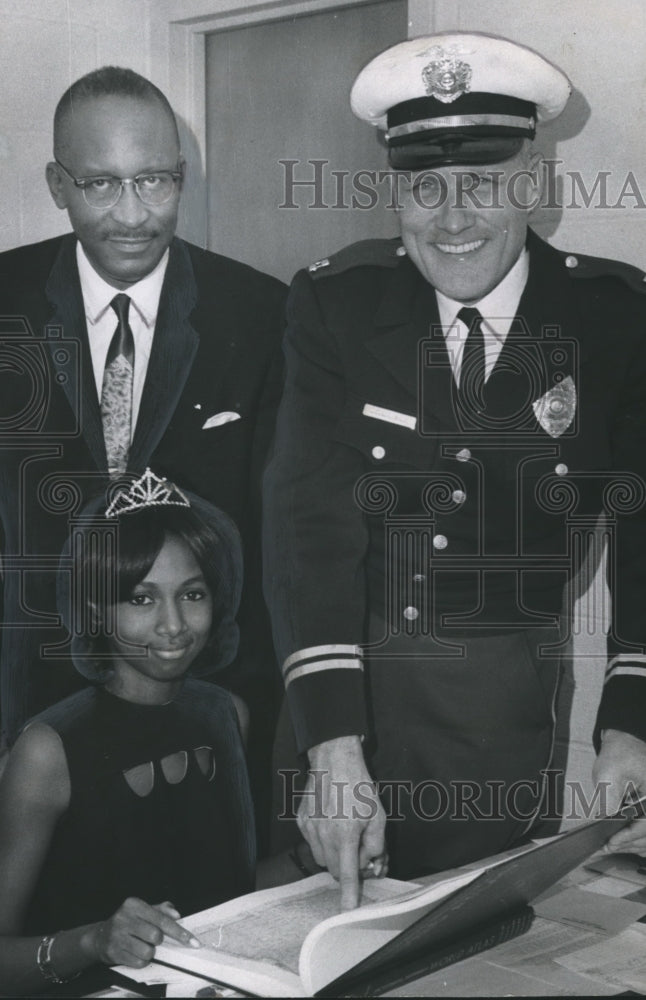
point(446, 77)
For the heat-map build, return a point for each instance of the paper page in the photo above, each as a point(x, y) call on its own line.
point(620, 961)
point(545, 942)
point(630, 867)
point(274, 930)
point(607, 885)
point(337, 945)
point(254, 941)
point(114, 993)
point(480, 977)
point(524, 966)
point(603, 914)
point(246, 975)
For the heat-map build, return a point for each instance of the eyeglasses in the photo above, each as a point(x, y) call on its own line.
point(153, 188)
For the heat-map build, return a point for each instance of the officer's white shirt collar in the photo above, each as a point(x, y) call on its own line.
point(498, 309)
point(98, 294)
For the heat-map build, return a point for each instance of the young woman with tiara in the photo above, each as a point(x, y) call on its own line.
point(127, 805)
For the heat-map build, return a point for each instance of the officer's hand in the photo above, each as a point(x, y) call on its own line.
point(621, 766)
point(131, 935)
point(342, 818)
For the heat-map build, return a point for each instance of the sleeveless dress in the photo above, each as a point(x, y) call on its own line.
point(160, 807)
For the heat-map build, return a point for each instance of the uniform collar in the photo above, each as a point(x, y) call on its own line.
point(98, 294)
point(499, 307)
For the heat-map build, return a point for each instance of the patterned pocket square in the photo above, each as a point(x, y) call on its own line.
point(555, 410)
point(220, 418)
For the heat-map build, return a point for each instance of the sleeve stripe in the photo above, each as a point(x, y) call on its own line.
point(319, 653)
point(314, 666)
point(625, 665)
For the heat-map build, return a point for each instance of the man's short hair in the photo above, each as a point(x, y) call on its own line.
point(108, 81)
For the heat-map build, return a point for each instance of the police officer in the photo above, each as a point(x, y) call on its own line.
point(460, 406)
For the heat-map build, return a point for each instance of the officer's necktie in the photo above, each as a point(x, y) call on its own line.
point(116, 393)
point(472, 368)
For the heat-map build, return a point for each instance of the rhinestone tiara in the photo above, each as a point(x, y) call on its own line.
point(148, 491)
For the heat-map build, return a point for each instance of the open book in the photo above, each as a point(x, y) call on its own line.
point(292, 941)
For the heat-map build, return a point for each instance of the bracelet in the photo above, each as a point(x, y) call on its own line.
point(44, 961)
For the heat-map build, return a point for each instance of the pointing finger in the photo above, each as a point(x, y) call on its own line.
point(349, 874)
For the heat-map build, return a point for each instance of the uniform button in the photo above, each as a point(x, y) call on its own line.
point(464, 455)
point(561, 469)
point(419, 578)
point(440, 542)
point(318, 264)
point(411, 614)
point(378, 451)
point(571, 261)
point(458, 496)
point(400, 251)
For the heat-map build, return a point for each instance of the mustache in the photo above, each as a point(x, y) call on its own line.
point(131, 234)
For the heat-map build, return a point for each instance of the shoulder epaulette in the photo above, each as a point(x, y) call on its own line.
point(365, 253)
point(581, 266)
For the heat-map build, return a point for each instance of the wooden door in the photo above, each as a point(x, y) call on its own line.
point(278, 99)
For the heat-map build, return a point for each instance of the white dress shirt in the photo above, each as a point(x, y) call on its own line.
point(498, 310)
point(102, 320)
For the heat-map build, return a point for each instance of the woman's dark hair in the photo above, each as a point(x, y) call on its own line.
point(109, 557)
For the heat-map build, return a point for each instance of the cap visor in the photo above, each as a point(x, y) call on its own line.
point(465, 150)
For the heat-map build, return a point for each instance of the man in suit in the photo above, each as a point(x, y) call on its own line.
point(459, 407)
point(202, 377)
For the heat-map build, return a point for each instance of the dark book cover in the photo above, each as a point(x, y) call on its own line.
point(480, 911)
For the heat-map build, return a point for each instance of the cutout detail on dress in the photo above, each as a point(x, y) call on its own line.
point(140, 779)
point(205, 758)
point(175, 766)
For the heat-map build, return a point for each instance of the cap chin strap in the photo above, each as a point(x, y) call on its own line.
point(485, 124)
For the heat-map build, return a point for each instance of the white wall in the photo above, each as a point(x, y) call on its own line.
point(44, 46)
point(601, 46)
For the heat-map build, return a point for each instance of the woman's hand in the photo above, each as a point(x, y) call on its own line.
point(131, 935)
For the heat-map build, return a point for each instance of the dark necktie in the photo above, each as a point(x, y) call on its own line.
point(472, 369)
point(116, 393)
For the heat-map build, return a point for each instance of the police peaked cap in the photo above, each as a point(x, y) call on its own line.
point(459, 97)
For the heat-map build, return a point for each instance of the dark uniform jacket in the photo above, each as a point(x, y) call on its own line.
point(388, 497)
point(215, 350)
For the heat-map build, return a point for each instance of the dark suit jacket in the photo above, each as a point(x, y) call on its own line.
point(365, 500)
point(215, 349)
